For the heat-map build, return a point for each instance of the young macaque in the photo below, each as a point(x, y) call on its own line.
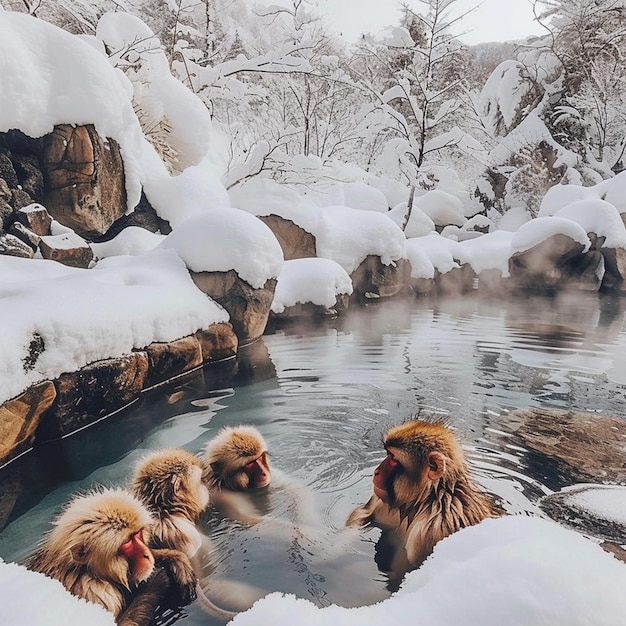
point(236, 463)
point(170, 483)
point(98, 549)
point(422, 492)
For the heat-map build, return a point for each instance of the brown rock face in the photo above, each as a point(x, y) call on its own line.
point(20, 417)
point(372, 279)
point(94, 391)
point(68, 248)
point(556, 263)
point(217, 342)
point(248, 308)
point(166, 360)
point(296, 242)
point(84, 179)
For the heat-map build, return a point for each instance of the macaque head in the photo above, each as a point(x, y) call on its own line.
point(237, 459)
point(170, 482)
point(106, 532)
point(419, 455)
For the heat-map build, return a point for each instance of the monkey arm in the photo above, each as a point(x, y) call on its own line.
point(141, 610)
point(181, 574)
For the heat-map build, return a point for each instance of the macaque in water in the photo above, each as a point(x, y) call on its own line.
point(170, 483)
point(422, 492)
point(236, 463)
point(98, 549)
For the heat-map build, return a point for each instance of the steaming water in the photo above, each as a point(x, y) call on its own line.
point(322, 397)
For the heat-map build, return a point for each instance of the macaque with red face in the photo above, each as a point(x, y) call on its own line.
point(98, 549)
point(422, 492)
point(236, 463)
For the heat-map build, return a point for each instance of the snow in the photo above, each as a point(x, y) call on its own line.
point(419, 223)
point(599, 217)
point(122, 303)
point(348, 235)
point(487, 252)
point(359, 196)
point(131, 240)
point(516, 570)
point(314, 280)
point(34, 599)
point(437, 250)
point(535, 231)
point(442, 208)
point(227, 239)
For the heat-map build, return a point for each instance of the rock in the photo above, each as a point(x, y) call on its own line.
point(67, 248)
point(20, 417)
point(35, 218)
point(574, 447)
point(218, 342)
point(248, 308)
point(84, 179)
point(458, 280)
point(296, 242)
point(373, 280)
point(556, 264)
point(313, 311)
point(24, 234)
point(614, 269)
point(587, 508)
point(12, 246)
point(93, 392)
point(168, 360)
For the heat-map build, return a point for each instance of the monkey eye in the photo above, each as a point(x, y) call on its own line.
point(393, 461)
point(250, 466)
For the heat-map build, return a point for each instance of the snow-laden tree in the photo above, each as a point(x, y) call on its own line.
point(589, 40)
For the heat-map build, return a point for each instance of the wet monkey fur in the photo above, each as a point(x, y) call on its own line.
point(98, 549)
point(169, 482)
point(422, 490)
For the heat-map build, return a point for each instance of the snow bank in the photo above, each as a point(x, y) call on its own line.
point(541, 228)
point(121, 304)
point(32, 599)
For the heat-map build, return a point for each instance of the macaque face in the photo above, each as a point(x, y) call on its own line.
point(258, 472)
point(138, 556)
point(397, 466)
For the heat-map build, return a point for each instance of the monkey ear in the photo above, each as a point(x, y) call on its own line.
point(79, 553)
point(436, 465)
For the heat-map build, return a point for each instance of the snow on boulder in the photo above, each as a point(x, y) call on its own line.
point(220, 240)
point(314, 280)
point(262, 196)
point(358, 196)
point(490, 251)
point(538, 230)
point(443, 208)
point(560, 196)
point(599, 217)
point(348, 236)
point(594, 509)
point(438, 251)
point(419, 223)
point(33, 599)
point(516, 570)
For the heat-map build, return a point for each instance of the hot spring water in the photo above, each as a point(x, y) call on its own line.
point(322, 396)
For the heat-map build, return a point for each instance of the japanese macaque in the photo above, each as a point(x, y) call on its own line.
point(169, 482)
point(422, 491)
point(236, 462)
point(98, 549)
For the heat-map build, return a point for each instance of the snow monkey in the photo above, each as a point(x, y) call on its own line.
point(236, 462)
point(422, 492)
point(98, 549)
point(169, 482)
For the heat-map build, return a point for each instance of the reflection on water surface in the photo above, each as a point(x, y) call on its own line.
point(322, 396)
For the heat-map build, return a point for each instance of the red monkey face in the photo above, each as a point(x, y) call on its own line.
point(139, 557)
point(383, 478)
point(258, 472)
